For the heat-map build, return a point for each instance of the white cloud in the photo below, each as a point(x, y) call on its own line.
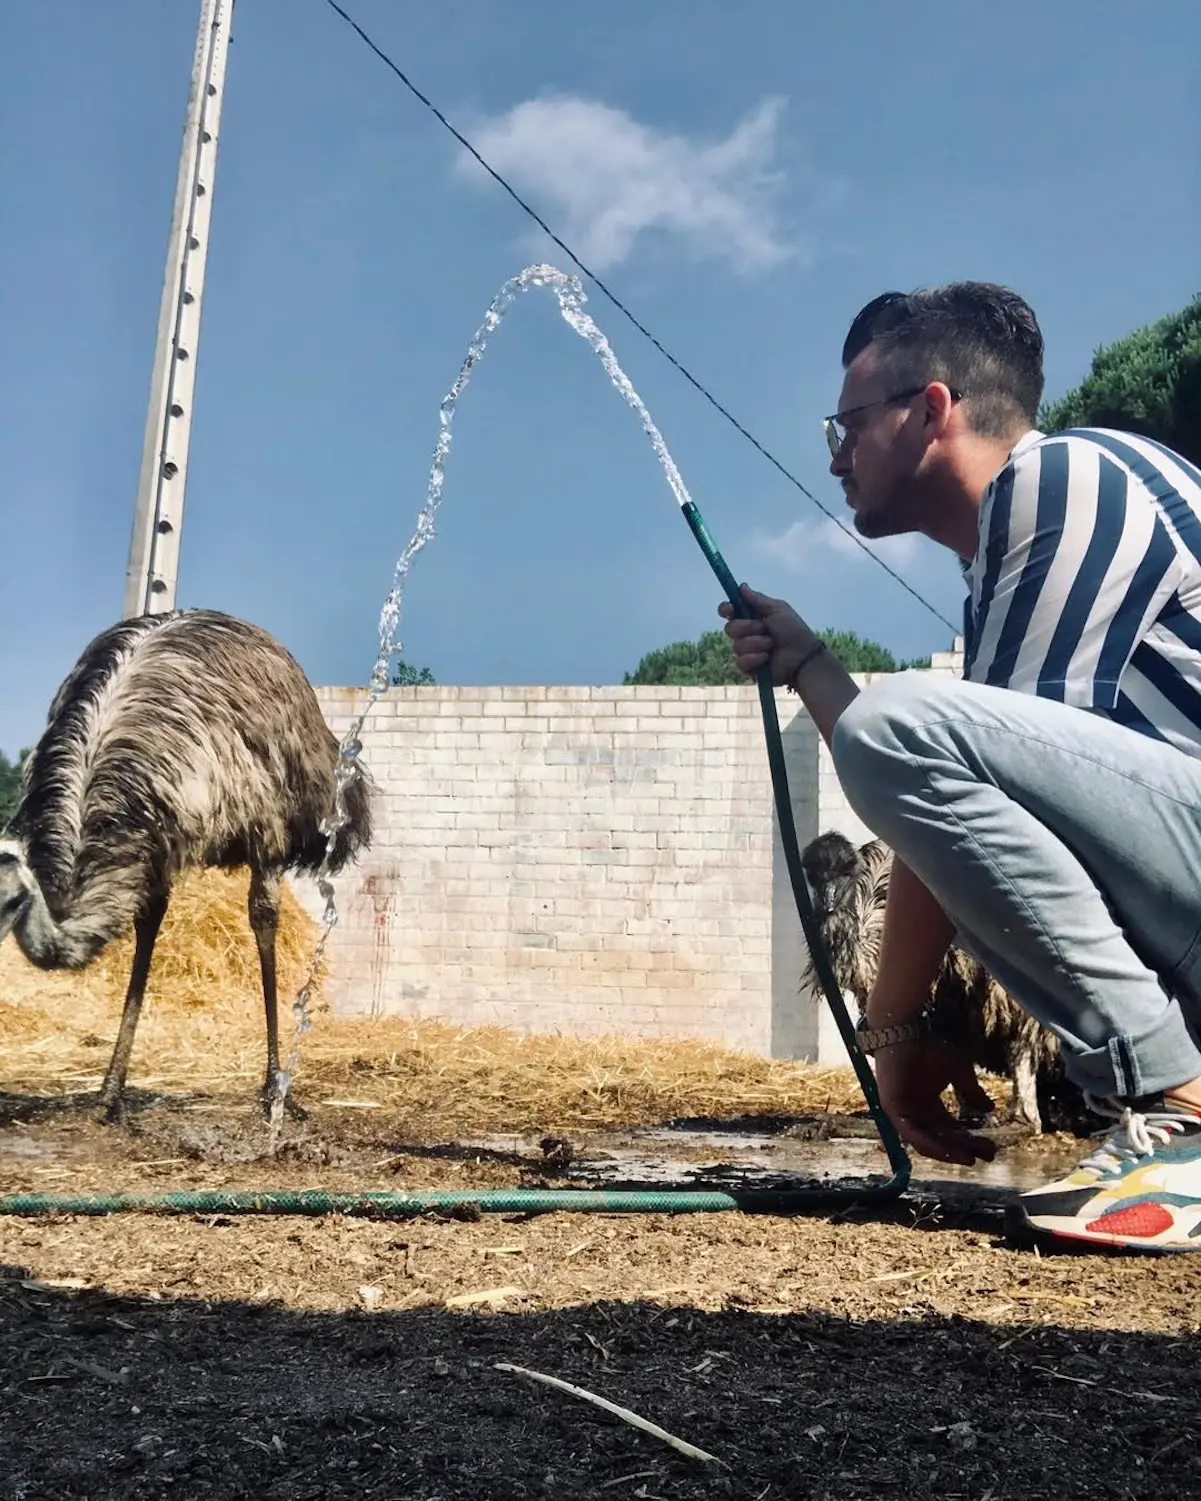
point(602, 179)
point(806, 545)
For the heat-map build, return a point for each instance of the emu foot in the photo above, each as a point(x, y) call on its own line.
point(270, 1099)
point(1019, 1121)
point(110, 1111)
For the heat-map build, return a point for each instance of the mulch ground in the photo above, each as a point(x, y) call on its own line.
point(907, 1351)
point(901, 1352)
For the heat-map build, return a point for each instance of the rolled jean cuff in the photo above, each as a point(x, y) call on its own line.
point(1127, 1067)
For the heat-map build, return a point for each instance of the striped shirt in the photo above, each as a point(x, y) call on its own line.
point(1086, 584)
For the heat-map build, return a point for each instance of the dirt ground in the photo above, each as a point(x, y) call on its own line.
point(906, 1351)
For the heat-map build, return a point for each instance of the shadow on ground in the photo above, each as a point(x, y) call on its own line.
point(106, 1396)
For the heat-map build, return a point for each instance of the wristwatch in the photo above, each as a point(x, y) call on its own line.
point(872, 1039)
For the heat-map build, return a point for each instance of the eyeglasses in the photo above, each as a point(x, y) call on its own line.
point(836, 429)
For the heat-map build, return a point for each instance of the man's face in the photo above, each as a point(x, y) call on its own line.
point(879, 461)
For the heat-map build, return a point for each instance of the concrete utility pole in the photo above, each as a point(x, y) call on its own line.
point(158, 517)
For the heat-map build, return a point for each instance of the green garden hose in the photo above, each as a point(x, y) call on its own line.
point(539, 1200)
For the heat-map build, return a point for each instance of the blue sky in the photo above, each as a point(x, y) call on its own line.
point(744, 176)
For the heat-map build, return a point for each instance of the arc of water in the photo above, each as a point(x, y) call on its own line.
point(571, 297)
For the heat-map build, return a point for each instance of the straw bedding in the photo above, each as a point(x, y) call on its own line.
point(202, 1032)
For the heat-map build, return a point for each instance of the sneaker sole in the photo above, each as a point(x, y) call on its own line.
point(1025, 1235)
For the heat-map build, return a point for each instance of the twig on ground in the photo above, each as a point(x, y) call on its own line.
point(624, 1413)
point(1117, 1390)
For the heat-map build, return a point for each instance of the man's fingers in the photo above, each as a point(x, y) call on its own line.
point(956, 1146)
point(757, 601)
point(761, 604)
point(738, 627)
point(931, 1142)
point(912, 1079)
point(934, 1132)
point(748, 635)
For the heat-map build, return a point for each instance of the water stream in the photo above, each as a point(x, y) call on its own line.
point(571, 297)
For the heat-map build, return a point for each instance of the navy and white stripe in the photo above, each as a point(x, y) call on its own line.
point(1086, 586)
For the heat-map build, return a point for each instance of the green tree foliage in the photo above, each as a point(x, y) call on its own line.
point(709, 661)
point(689, 664)
point(1148, 383)
point(10, 786)
point(405, 675)
point(858, 654)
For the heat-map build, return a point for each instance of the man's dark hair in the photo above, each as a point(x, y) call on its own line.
point(978, 338)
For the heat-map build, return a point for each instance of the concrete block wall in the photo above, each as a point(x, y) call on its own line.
point(587, 860)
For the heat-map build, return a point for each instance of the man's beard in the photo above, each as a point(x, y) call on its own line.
point(890, 517)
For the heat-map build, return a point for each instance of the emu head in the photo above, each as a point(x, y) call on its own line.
point(835, 870)
point(16, 885)
point(831, 864)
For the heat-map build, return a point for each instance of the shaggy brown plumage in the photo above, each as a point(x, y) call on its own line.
point(189, 739)
point(970, 1010)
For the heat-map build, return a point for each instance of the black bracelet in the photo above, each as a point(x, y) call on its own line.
point(814, 651)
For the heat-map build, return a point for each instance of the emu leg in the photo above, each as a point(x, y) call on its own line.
point(264, 920)
point(146, 926)
point(1023, 1108)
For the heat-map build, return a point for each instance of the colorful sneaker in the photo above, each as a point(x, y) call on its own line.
point(1140, 1190)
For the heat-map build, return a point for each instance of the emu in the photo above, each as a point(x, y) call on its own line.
point(970, 1010)
point(178, 741)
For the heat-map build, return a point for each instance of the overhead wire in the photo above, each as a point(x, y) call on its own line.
point(625, 311)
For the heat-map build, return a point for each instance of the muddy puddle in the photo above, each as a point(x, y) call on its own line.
point(177, 1144)
point(690, 1155)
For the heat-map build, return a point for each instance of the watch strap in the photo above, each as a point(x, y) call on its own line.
point(872, 1039)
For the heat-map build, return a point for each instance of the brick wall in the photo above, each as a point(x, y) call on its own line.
point(587, 860)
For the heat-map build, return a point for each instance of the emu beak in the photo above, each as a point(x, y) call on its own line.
point(14, 905)
point(9, 915)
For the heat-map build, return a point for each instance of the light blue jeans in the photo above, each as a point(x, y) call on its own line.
point(1066, 850)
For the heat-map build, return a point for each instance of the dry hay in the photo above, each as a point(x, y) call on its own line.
point(203, 1008)
point(488, 1079)
point(205, 955)
point(202, 1031)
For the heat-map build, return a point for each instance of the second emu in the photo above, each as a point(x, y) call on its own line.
point(970, 1010)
